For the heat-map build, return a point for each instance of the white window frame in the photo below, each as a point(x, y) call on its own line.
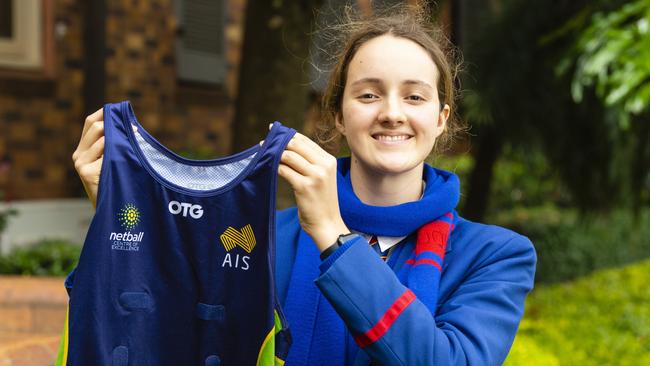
point(24, 50)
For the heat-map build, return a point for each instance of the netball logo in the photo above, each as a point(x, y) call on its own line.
point(244, 239)
point(128, 217)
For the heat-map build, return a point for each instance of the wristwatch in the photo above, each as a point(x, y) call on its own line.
point(342, 239)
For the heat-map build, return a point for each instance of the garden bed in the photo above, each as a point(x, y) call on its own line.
point(601, 319)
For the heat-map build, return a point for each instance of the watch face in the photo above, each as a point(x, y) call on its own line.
point(345, 237)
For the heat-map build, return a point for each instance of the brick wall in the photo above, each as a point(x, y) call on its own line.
point(40, 120)
point(140, 68)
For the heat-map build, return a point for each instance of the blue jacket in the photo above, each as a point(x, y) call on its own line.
point(486, 275)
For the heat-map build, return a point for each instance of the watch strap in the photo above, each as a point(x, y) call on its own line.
point(342, 239)
point(331, 249)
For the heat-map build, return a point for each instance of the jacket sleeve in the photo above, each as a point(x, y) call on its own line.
point(475, 325)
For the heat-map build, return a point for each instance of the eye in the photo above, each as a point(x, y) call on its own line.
point(368, 96)
point(415, 97)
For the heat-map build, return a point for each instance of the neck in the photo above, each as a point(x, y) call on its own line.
point(378, 189)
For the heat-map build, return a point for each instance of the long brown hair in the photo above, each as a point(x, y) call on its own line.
point(405, 21)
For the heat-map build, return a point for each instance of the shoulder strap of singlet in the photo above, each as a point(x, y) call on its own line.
point(116, 144)
point(115, 124)
point(275, 143)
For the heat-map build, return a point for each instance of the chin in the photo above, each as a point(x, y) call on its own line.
point(395, 166)
point(387, 162)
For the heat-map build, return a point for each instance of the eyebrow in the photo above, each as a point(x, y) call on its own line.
point(378, 81)
point(419, 83)
point(367, 81)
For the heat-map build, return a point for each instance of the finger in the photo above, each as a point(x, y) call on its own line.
point(89, 173)
point(310, 143)
point(94, 132)
point(98, 115)
point(297, 162)
point(93, 153)
point(300, 145)
point(96, 168)
point(89, 155)
point(295, 179)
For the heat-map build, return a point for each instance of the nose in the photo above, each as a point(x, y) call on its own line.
point(392, 112)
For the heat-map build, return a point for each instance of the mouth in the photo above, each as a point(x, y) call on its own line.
point(390, 138)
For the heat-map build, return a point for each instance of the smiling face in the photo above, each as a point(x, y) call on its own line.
point(390, 112)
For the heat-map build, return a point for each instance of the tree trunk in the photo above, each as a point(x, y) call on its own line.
point(273, 83)
point(640, 171)
point(480, 182)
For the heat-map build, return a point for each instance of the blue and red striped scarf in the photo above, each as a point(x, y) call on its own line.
point(319, 334)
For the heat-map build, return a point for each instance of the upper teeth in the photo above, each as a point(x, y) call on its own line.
point(392, 138)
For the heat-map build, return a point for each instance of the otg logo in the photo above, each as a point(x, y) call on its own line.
point(183, 208)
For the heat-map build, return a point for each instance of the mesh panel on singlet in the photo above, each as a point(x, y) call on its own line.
point(194, 177)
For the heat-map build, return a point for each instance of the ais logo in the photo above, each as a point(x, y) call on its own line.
point(245, 239)
point(128, 217)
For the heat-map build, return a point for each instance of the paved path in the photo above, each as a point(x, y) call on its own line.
point(32, 315)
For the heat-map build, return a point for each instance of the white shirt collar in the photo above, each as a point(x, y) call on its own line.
point(385, 242)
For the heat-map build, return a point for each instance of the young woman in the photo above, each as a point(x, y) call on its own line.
point(442, 290)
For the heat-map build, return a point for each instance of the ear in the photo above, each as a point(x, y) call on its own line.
point(338, 121)
point(443, 116)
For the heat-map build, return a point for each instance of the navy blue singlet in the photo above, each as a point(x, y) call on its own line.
point(177, 267)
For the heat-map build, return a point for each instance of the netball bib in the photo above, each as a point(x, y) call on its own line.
point(177, 266)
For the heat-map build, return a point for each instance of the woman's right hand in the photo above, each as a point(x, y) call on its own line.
point(89, 154)
point(311, 172)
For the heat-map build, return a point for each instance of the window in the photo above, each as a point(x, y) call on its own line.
point(6, 23)
point(21, 34)
point(200, 48)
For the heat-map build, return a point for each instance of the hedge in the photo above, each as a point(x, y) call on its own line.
point(569, 245)
point(45, 258)
point(602, 319)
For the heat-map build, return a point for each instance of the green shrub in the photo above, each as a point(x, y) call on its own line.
point(4, 218)
point(461, 165)
point(521, 178)
point(524, 178)
point(569, 246)
point(46, 258)
point(602, 319)
point(526, 351)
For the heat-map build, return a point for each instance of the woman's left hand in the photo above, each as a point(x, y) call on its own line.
point(311, 172)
